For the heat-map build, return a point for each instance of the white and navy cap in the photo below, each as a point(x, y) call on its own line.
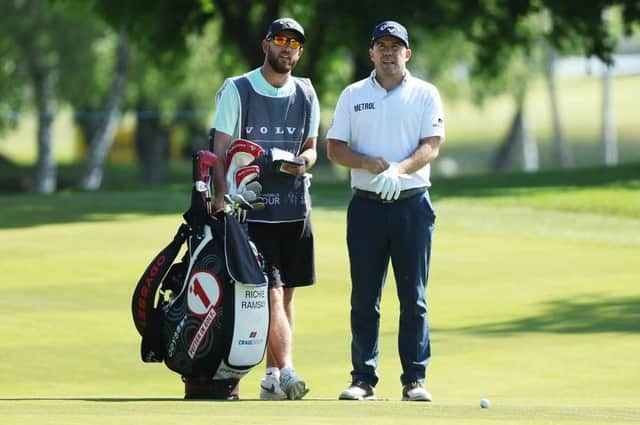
point(285, 24)
point(392, 29)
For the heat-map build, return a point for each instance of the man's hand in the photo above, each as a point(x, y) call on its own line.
point(387, 183)
point(375, 165)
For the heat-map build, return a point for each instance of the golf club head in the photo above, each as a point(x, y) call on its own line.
point(258, 206)
point(241, 202)
point(259, 203)
point(249, 195)
point(255, 186)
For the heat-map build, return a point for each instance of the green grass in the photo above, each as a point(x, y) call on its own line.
point(534, 304)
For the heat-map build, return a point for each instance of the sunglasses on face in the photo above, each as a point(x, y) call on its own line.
point(281, 40)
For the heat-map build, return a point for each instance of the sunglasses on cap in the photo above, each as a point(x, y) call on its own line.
point(281, 40)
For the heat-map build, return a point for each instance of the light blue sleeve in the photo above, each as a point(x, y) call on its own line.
point(314, 119)
point(227, 109)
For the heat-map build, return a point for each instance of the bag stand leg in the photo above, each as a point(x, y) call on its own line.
point(210, 389)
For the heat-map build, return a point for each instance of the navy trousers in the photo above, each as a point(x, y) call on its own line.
point(376, 232)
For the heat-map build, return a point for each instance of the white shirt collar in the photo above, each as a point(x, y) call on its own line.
point(376, 84)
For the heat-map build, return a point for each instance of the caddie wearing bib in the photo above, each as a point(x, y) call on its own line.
point(279, 112)
point(387, 128)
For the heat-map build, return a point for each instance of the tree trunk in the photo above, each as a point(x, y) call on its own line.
point(520, 134)
point(562, 150)
point(530, 160)
point(44, 80)
point(152, 145)
point(504, 155)
point(609, 138)
point(46, 166)
point(102, 139)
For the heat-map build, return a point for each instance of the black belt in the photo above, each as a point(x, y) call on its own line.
point(405, 194)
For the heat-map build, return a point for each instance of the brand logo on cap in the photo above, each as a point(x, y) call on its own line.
point(391, 28)
point(283, 24)
point(388, 27)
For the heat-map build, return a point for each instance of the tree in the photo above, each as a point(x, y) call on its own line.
point(500, 31)
point(102, 139)
point(12, 79)
point(31, 27)
point(94, 87)
point(46, 68)
point(520, 134)
point(562, 151)
point(609, 139)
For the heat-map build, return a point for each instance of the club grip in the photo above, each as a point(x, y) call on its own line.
point(202, 161)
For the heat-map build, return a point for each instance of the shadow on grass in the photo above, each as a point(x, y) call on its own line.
point(488, 185)
point(149, 399)
point(97, 399)
point(587, 314)
point(29, 209)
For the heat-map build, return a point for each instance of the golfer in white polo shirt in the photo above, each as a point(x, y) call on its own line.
point(387, 128)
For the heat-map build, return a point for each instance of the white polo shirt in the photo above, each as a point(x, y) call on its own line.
point(388, 124)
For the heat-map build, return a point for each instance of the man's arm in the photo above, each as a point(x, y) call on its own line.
point(221, 143)
point(427, 151)
point(309, 153)
point(340, 152)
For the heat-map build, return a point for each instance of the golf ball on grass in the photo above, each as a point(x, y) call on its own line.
point(485, 403)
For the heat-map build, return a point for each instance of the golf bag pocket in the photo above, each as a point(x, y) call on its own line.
point(251, 325)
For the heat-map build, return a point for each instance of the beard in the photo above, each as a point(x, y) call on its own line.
point(281, 67)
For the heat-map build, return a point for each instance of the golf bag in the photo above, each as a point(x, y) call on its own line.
point(207, 315)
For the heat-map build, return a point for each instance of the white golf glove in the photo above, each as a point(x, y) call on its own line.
point(387, 183)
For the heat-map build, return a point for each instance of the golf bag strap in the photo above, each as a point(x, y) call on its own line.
point(146, 316)
point(147, 287)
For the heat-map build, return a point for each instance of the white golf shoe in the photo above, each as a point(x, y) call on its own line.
point(415, 391)
point(358, 390)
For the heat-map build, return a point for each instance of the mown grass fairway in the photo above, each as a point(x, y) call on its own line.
point(534, 304)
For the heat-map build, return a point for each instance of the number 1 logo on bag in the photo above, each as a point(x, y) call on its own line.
point(204, 295)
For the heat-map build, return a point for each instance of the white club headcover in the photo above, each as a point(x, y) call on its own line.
point(241, 152)
point(245, 175)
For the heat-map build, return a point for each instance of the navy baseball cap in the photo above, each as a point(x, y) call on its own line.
point(392, 29)
point(284, 24)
